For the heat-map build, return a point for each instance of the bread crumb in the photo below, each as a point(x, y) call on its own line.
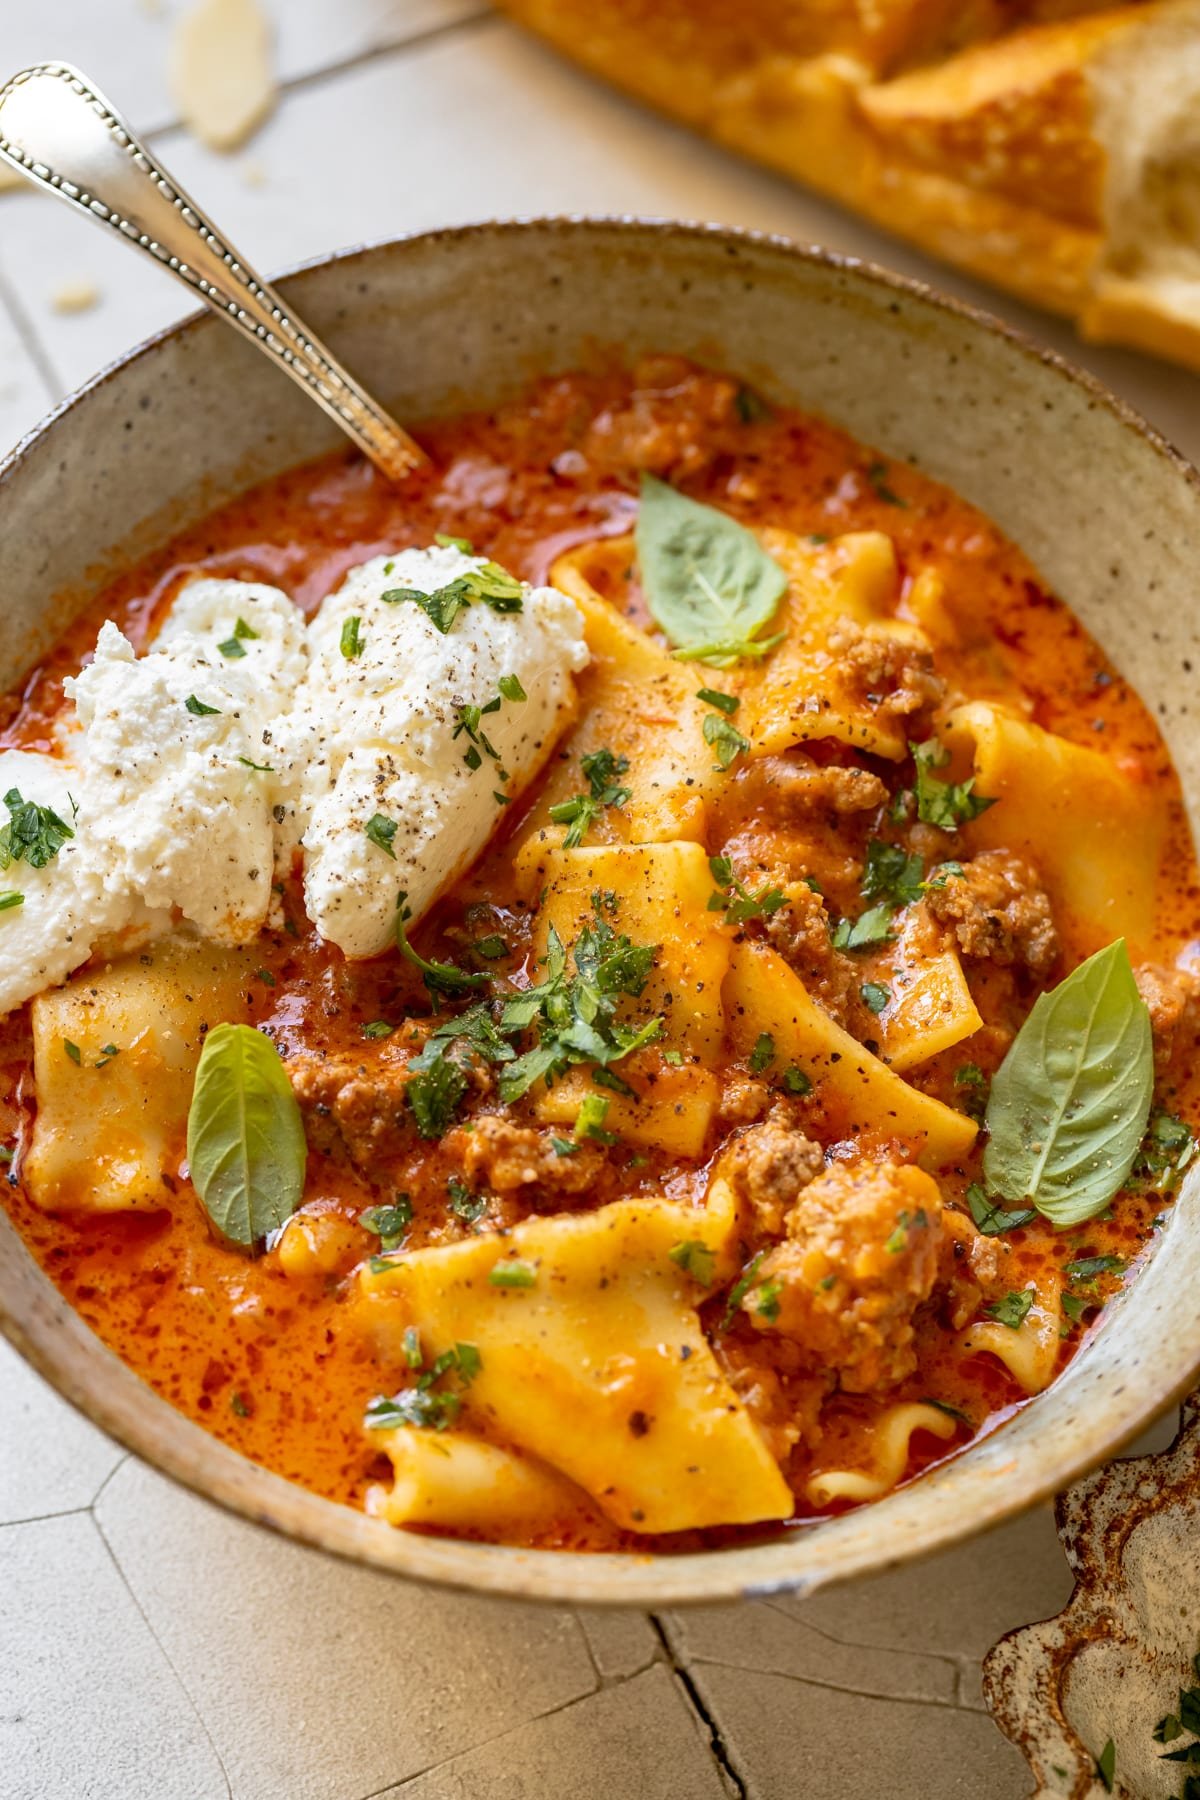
point(220, 70)
point(75, 296)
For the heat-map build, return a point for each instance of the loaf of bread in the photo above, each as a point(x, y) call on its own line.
point(1049, 146)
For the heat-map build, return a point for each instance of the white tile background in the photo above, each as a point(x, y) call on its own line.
point(150, 1647)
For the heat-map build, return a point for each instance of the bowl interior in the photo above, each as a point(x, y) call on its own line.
point(466, 318)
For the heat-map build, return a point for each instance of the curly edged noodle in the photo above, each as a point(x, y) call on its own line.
point(1028, 1348)
point(891, 1448)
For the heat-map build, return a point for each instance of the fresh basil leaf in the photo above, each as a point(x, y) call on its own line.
point(1069, 1103)
point(245, 1137)
point(708, 581)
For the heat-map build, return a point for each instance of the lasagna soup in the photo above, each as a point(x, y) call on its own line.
point(633, 990)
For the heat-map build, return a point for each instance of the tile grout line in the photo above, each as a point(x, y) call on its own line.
point(312, 78)
point(829, 1687)
point(718, 1748)
point(420, 40)
point(157, 1641)
point(68, 1512)
point(397, 1787)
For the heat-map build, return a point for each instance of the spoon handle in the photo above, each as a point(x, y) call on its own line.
point(61, 133)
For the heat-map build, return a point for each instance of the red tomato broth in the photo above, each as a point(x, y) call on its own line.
point(267, 1362)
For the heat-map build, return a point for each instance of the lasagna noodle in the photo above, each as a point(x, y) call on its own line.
point(762, 994)
point(597, 1364)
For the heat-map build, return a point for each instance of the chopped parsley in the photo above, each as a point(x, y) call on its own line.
point(434, 1094)
point(34, 834)
point(259, 768)
point(491, 947)
point(429, 1403)
point(1167, 1149)
point(766, 1301)
point(892, 874)
point(10, 898)
point(696, 1259)
point(470, 722)
point(875, 995)
point(1012, 1309)
point(741, 1288)
point(795, 1081)
point(377, 1028)
point(381, 831)
point(237, 1405)
point(589, 1120)
point(514, 1274)
point(445, 542)
point(107, 1052)
point(465, 1204)
point(233, 646)
point(750, 407)
point(726, 703)
point(440, 977)
point(869, 929)
point(1106, 1765)
point(904, 1222)
point(724, 739)
point(351, 641)
point(947, 804)
point(389, 1222)
point(990, 1218)
point(437, 1076)
point(73, 1051)
point(200, 709)
point(763, 1053)
point(877, 476)
point(601, 769)
point(575, 1016)
point(735, 901)
point(489, 583)
point(977, 1087)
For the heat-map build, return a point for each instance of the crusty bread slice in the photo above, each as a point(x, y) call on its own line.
point(1060, 159)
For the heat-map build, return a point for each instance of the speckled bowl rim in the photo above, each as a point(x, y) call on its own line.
point(215, 1472)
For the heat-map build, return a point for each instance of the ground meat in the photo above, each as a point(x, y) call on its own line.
point(896, 677)
point(997, 911)
point(800, 931)
point(802, 785)
point(972, 1265)
point(744, 1099)
point(766, 1166)
point(783, 1399)
point(1173, 998)
point(353, 1105)
point(506, 1157)
point(862, 1254)
point(675, 424)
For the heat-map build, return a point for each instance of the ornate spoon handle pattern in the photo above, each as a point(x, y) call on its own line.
point(63, 135)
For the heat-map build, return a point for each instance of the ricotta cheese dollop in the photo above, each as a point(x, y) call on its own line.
point(407, 741)
point(64, 910)
point(177, 754)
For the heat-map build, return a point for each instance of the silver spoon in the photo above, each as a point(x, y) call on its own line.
point(63, 135)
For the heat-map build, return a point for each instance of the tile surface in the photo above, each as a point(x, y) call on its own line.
point(152, 1648)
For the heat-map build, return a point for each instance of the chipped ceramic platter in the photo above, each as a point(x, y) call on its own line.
point(467, 318)
point(1100, 1697)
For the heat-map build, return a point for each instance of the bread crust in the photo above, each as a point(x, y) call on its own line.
point(985, 132)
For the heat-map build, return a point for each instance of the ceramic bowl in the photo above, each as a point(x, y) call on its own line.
point(1106, 510)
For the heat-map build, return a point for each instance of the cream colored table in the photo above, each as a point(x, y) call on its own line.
point(150, 1647)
